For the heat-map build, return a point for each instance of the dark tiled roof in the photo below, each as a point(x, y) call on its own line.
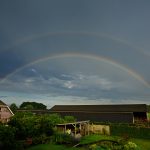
point(100, 117)
point(101, 108)
point(2, 103)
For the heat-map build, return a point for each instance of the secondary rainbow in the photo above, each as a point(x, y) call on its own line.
point(73, 33)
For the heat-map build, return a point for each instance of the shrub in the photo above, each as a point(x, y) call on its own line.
point(42, 139)
point(7, 138)
point(69, 119)
point(28, 125)
point(130, 146)
point(61, 138)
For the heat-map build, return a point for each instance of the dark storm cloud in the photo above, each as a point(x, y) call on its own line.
point(9, 61)
point(34, 29)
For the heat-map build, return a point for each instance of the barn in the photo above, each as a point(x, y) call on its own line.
point(125, 113)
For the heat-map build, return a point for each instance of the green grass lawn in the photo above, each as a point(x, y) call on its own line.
point(52, 147)
point(96, 138)
point(142, 143)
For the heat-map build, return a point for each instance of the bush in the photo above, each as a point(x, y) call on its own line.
point(39, 128)
point(28, 125)
point(130, 146)
point(42, 139)
point(69, 119)
point(7, 138)
point(61, 138)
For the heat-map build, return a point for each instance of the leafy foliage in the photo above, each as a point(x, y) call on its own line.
point(26, 128)
point(29, 125)
point(130, 146)
point(55, 119)
point(24, 123)
point(13, 107)
point(69, 119)
point(7, 138)
point(61, 138)
point(32, 105)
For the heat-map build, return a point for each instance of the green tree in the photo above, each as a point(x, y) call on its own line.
point(13, 107)
point(45, 125)
point(24, 124)
point(55, 119)
point(69, 119)
point(34, 105)
point(29, 107)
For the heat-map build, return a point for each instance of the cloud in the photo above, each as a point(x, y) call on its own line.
point(50, 99)
point(57, 99)
point(85, 85)
point(29, 80)
point(69, 84)
point(33, 70)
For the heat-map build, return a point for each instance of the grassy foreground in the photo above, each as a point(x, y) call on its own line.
point(52, 147)
point(142, 144)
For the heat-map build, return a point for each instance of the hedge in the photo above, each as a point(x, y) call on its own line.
point(130, 131)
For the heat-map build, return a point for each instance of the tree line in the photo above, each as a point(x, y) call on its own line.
point(28, 106)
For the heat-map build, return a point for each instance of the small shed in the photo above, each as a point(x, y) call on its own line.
point(74, 128)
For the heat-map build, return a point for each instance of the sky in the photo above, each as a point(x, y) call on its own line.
point(75, 51)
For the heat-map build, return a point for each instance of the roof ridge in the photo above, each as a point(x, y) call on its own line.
point(99, 105)
point(2, 103)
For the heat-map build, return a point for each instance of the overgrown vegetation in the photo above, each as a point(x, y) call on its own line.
point(28, 129)
point(7, 138)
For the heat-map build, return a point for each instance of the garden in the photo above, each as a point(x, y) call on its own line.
point(99, 142)
point(26, 131)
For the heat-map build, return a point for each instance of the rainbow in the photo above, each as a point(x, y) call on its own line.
point(73, 33)
point(88, 56)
